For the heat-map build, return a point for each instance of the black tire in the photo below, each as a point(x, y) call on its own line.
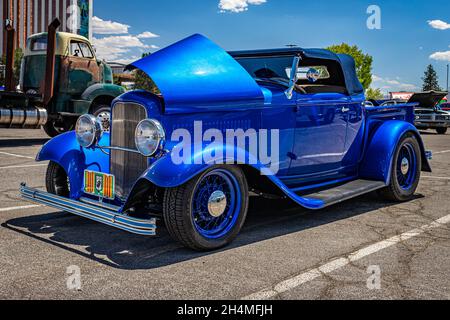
point(178, 212)
point(52, 130)
point(56, 180)
point(394, 191)
point(441, 130)
point(98, 111)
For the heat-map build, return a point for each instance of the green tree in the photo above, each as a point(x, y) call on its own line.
point(430, 80)
point(363, 62)
point(143, 81)
point(374, 94)
point(18, 55)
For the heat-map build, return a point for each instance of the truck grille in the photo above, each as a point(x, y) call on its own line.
point(126, 166)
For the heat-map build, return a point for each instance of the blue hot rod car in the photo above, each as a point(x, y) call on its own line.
point(324, 145)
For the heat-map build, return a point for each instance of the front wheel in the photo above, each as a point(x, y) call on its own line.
point(441, 130)
point(56, 180)
point(103, 114)
point(207, 212)
point(405, 170)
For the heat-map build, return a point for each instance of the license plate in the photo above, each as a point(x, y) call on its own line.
point(99, 184)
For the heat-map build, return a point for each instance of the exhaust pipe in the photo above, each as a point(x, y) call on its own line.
point(25, 118)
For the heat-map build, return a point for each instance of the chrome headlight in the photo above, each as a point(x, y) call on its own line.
point(88, 130)
point(149, 137)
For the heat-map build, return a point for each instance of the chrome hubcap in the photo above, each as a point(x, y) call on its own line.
point(405, 166)
point(217, 204)
point(103, 118)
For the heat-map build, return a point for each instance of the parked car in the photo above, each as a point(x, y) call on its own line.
point(429, 115)
point(58, 83)
point(445, 106)
point(325, 145)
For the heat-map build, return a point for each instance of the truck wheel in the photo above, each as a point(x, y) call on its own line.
point(52, 130)
point(441, 130)
point(103, 113)
point(56, 180)
point(405, 171)
point(207, 212)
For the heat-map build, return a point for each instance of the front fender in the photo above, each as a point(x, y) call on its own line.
point(65, 151)
point(381, 146)
point(102, 89)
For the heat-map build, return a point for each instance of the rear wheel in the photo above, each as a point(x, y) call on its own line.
point(405, 171)
point(56, 180)
point(207, 212)
point(441, 130)
point(54, 128)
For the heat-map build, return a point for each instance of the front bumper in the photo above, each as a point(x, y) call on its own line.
point(96, 211)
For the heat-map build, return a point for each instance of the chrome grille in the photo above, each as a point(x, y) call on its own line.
point(126, 166)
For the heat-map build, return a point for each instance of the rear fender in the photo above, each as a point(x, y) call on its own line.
point(381, 146)
point(65, 151)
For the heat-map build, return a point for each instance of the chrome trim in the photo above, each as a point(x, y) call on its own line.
point(118, 149)
point(126, 166)
point(293, 77)
point(92, 210)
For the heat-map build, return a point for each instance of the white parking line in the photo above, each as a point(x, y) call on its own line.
point(338, 263)
point(440, 152)
point(438, 178)
point(19, 208)
point(16, 155)
point(24, 166)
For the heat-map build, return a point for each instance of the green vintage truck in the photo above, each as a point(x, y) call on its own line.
point(60, 79)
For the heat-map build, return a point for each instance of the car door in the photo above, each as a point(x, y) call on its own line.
point(83, 69)
point(320, 137)
point(355, 136)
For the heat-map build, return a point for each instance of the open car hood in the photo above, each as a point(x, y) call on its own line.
point(195, 73)
point(427, 99)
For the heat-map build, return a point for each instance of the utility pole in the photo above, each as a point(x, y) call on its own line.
point(447, 80)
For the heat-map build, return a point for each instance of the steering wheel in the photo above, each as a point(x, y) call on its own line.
point(299, 88)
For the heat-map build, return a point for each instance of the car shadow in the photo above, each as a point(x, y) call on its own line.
point(266, 219)
point(10, 143)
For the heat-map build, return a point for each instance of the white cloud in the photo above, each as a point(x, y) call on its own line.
point(147, 35)
point(388, 84)
point(238, 5)
point(441, 55)
point(114, 47)
point(100, 26)
point(439, 24)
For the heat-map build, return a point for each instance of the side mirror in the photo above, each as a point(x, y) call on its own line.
point(293, 78)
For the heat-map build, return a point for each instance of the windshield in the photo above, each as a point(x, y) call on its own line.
point(274, 68)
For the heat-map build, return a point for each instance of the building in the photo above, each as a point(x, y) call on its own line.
point(33, 16)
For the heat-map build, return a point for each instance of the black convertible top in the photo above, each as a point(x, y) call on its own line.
point(346, 62)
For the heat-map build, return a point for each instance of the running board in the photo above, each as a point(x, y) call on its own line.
point(96, 212)
point(345, 191)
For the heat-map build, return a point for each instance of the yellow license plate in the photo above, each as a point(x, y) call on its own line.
point(99, 184)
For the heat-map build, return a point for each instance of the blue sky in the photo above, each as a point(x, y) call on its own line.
point(406, 43)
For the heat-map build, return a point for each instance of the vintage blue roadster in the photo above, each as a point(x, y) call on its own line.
point(323, 144)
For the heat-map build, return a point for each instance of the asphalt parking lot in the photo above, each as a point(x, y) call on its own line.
point(365, 248)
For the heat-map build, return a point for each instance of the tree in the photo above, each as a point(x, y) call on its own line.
point(363, 62)
point(374, 94)
point(430, 80)
point(18, 55)
point(143, 81)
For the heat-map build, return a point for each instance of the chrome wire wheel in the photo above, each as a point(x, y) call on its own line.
point(406, 166)
point(216, 204)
